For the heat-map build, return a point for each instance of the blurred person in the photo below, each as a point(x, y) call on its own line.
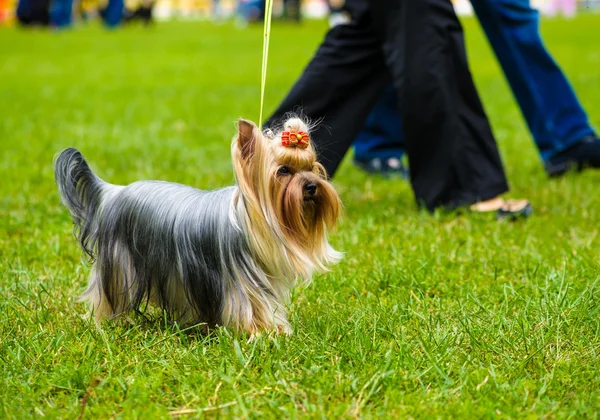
point(419, 46)
point(112, 13)
point(292, 10)
point(143, 12)
point(61, 12)
point(33, 12)
point(251, 10)
point(86, 9)
point(555, 118)
point(55, 13)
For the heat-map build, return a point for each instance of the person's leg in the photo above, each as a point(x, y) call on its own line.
point(554, 115)
point(448, 139)
point(452, 153)
point(251, 10)
point(33, 12)
point(340, 86)
point(381, 136)
point(378, 147)
point(60, 13)
point(23, 12)
point(113, 13)
point(292, 10)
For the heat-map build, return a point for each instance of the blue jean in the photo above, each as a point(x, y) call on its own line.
point(61, 12)
point(112, 14)
point(552, 111)
point(382, 135)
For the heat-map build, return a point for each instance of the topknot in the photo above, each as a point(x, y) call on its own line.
point(295, 124)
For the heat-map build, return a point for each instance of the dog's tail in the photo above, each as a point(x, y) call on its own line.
point(81, 191)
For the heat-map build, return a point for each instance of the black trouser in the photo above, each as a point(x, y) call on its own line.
point(33, 12)
point(419, 44)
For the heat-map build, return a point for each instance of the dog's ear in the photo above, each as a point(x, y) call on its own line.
point(247, 137)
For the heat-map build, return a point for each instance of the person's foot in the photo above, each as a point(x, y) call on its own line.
point(505, 209)
point(385, 167)
point(585, 154)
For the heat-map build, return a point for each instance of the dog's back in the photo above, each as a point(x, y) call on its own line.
point(148, 235)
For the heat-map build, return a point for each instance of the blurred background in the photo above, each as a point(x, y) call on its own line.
point(64, 13)
point(152, 90)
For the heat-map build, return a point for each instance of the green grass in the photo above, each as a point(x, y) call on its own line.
point(428, 315)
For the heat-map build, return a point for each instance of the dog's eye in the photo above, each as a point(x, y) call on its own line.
point(283, 170)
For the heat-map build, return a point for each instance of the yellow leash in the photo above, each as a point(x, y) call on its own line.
point(265, 56)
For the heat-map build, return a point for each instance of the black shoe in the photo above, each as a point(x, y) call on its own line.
point(384, 167)
point(585, 154)
point(515, 213)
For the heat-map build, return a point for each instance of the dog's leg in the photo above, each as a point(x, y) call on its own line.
point(249, 309)
point(119, 280)
point(270, 314)
point(99, 306)
point(113, 275)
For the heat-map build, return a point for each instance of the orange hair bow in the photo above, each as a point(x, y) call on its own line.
point(292, 138)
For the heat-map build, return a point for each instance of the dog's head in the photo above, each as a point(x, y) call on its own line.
point(281, 179)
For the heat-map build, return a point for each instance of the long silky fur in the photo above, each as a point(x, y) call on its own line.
point(225, 257)
point(81, 191)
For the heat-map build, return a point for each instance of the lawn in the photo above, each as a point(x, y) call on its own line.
point(427, 316)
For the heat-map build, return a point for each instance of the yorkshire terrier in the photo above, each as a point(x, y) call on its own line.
point(227, 257)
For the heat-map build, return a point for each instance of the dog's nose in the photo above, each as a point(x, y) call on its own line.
point(311, 189)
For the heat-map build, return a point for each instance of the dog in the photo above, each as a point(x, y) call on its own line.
point(228, 257)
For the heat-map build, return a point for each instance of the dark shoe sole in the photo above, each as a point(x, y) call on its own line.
point(585, 154)
point(523, 213)
point(555, 170)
